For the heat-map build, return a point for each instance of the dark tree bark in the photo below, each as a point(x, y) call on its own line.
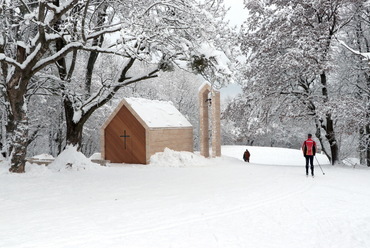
point(17, 116)
point(19, 130)
point(98, 41)
point(74, 129)
point(321, 139)
point(328, 124)
point(366, 128)
point(367, 145)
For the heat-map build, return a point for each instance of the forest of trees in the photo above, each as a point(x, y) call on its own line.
point(302, 65)
point(300, 76)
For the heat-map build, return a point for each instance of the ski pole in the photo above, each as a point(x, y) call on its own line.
point(320, 166)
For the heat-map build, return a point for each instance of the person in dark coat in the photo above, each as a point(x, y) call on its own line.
point(246, 155)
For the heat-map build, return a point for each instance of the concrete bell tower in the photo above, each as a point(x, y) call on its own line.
point(209, 97)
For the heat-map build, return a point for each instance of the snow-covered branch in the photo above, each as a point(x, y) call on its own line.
point(163, 3)
point(9, 61)
point(152, 74)
point(107, 51)
point(74, 46)
point(366, 56)
point(58, 55)
point(64, 8)
point(102, 32)
point(25, 6)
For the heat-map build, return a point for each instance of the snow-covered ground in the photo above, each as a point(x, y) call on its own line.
point(184, 200)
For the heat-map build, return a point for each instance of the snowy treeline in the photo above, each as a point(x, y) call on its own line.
point(299, 77)
point(65, 64)
point(62, 60)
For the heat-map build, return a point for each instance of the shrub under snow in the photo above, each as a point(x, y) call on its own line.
point(170, 158)
point(71, 159)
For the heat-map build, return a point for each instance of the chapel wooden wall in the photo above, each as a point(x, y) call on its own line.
point(177, 139)
point(115, 151)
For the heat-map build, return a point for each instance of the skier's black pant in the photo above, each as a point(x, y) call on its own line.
point(309, 160)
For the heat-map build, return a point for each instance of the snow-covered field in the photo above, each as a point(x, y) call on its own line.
point(184, 200)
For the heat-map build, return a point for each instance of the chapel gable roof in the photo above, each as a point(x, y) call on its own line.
point(153, 113)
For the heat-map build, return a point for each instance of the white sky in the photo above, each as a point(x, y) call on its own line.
point(237, 12)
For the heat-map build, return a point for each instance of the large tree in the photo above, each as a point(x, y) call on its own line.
point(26, 40)
point(36, 35)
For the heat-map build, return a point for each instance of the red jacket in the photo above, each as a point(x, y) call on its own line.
point(309, 147)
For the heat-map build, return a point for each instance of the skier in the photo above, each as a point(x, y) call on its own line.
point(246, 155)
point(309, 150)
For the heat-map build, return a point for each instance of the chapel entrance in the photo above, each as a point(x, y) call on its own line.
point(123, 134)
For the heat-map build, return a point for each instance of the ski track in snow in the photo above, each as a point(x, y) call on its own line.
point(271, 199)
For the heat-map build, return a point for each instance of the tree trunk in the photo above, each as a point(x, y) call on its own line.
point(98, 41)
point(330, 136)
point(367, 144)
point(20, 143)
point(17, 127)
point(74, 129)
point(361, 146)
point(329, 125)
point(367, 125)
point(59, 133)
point(74, 134)
point(319, 136)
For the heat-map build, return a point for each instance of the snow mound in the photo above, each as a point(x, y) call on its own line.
point(72, 160)
point(351, 162)
point(36, 170)
point(171, 158)
point(4, 167)
point(96, 155)
point(43, 156)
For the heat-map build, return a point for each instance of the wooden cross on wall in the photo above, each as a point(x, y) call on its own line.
point(125, 136)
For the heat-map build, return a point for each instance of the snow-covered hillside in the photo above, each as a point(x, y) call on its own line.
point(183, 200)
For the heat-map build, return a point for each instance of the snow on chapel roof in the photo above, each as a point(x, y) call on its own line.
point(158, 113)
